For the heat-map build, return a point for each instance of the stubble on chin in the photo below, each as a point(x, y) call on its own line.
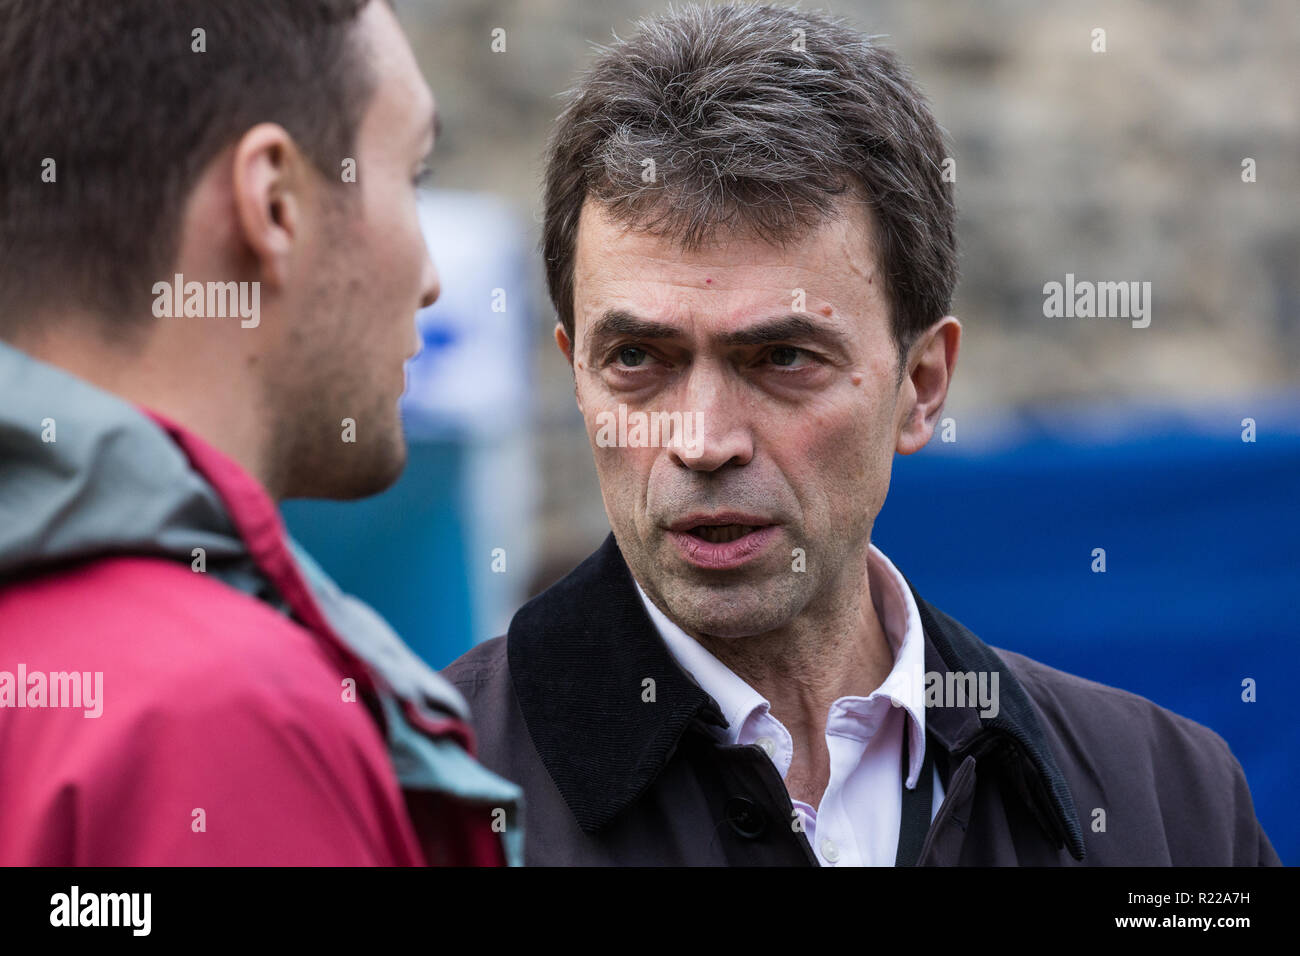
point(334, 434)
point(343, 427)
point(716, 604)
point(340, 453)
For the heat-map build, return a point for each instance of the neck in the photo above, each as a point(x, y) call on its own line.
point(216, 400)
point(837, 648)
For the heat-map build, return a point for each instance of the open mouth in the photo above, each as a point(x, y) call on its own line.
point(722, 533)
point(721, 541)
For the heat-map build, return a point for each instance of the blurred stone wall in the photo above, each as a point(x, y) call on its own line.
point(1115, 166)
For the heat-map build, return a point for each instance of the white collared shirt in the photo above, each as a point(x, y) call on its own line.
point(857, 821)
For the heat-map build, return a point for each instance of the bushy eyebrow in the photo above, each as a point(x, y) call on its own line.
point(619, 323)
point(786, 328)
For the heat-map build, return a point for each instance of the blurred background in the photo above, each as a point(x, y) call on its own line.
point(1175, 448)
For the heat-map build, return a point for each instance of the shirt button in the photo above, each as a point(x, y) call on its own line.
point(830, 851)
point(768, 745)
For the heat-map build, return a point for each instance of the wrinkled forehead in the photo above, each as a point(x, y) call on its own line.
point(830, 270)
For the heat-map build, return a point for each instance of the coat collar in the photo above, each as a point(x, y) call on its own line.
point(583, 653)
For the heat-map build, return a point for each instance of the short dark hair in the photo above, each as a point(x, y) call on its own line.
point(115, 94)
point(748, 130)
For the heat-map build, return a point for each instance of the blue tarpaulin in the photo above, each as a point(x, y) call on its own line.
point(1201, 539)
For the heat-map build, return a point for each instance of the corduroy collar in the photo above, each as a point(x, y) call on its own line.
point(583, 653)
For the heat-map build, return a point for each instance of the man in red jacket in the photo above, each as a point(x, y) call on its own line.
point(210, 262)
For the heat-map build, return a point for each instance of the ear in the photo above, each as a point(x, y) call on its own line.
point(562, 340)
point(566, 347)
point(931, 362)
point(267, 182)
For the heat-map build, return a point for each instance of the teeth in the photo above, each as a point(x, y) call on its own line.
point(721, 534)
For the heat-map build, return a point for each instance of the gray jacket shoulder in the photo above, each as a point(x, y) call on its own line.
point(1124, 753)
point(482, 675)
point(483, 663)
point(1121, 721)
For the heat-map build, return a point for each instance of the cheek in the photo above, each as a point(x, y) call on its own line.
point(394, 266)
point(394, 248)
point(405, 242)
point(624, 472)
point(619, 462)
point(838, 459)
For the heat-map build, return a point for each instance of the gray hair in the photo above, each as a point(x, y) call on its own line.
point(763, 120)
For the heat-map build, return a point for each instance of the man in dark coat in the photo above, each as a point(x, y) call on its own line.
point(749, 241)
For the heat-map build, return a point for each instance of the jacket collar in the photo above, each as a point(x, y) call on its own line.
point(1014, 736)
point(605, 702)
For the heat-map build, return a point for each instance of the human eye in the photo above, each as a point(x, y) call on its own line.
point(633, 366)
point(630, 356)
point(627, 357)
point(789, 357)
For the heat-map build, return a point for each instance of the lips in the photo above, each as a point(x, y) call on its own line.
point(723, 533)
point(721, 541)
point(705, 519)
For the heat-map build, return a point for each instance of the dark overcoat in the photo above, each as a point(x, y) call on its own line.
point(1068, 772)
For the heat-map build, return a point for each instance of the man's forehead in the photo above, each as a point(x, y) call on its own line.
point(401, 93)
point(846, 233)
point(625, 267)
